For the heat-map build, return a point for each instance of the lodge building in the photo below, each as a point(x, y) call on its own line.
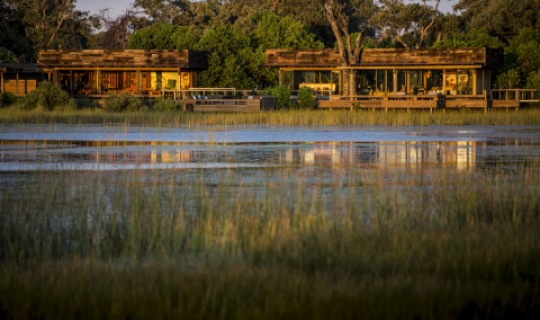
point(392, 77)
point(382, 78)
point(138, 72)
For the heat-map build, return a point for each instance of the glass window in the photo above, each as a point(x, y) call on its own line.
point(415, 81)
point(434, 80)
point(402, 81)
point(389, 80)
point(464, 82)
point(381, 81)
point(365, 82)
point(459, 82)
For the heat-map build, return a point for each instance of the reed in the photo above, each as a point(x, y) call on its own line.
point(281, 117)
point(221, 244)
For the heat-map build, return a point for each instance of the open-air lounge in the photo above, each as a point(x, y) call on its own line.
point(144, 73)
point(392, 78)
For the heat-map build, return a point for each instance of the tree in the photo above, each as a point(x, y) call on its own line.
point(118, 30)
point(503, 18)
point(163, 36)
point(162, 11)
point(77, 31)
point(14, 46)
point(339, 14)
point(273, 31)
point(276, 32)
point(202, 15)
point(475, 38)
point(231, 58)
point(407, 23)
point(44, 19)
point(523, 54)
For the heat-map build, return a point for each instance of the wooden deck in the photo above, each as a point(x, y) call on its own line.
point(500, 98)
point(384, 102)
point(222, 105)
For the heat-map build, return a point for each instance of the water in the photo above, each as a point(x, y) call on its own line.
point(113, 148)
point(103, 171)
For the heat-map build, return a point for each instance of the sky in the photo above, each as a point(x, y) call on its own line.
point(118, 7)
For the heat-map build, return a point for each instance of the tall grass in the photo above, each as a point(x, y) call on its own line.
point(211, 244)
point(280, 117)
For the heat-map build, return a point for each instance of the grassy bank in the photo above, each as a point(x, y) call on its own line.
point(302, 118)
point(143, 245)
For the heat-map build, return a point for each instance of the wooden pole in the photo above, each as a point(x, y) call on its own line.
point(17, 84)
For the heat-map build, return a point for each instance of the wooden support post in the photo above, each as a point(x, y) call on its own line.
point(17, 84)
point(138, 76)
point(98, 81)
point(71, 80)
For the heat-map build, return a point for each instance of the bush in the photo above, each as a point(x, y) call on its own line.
point(48, 96)
point(282, 95)
point(7, 99)
point(306, 98)
point(123, 102)
point(162, 104)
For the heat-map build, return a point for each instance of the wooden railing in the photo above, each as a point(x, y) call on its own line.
point(522, 95)
point(199, 93)
point(230, 105)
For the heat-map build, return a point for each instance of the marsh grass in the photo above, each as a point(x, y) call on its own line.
point(281, 117)
point(204, 244)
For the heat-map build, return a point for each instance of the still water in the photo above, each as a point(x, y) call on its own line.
point(105, 170)
point(116, 148)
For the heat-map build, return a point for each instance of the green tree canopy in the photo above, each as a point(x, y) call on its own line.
point(230, 58)
point(523, 54)
point(163, 36)
point(163, 11)
point(44, 19)
point(273, 31)
point(407, 23)
point(503, 18)
point(476, 38)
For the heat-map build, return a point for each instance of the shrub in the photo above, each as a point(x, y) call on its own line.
point(282, 95)
point(47, 96)
point(306, 98)
point(122, 102)
point(162, 104)
point(7, 99)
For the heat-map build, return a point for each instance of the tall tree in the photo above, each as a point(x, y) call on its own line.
point(14, 46)
point(349, 32)
point(407, 23)
point(163, 36)
point(44, 19)
point(162, 11)
point(273, 31)
point(504, 18)
point(203, 15)
point(117, 30)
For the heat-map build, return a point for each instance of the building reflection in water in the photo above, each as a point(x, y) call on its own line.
point(458, 154)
